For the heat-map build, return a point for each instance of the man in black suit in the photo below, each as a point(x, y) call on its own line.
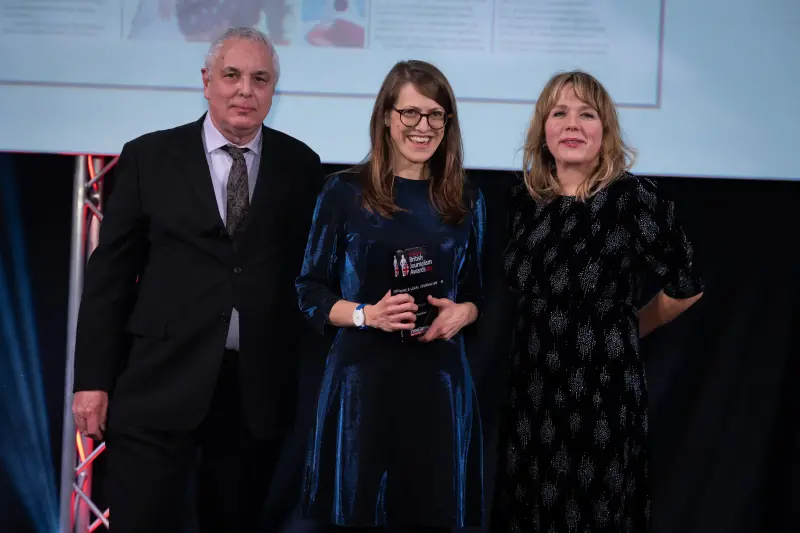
point(189, 326)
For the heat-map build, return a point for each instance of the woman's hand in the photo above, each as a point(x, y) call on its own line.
point(451, 319)
point(392, 313)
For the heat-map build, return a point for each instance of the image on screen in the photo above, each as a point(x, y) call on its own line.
point(688, 78)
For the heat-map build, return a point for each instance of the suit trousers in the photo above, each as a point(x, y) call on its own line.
point(148, 472)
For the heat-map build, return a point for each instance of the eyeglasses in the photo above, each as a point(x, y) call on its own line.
point(411, 117)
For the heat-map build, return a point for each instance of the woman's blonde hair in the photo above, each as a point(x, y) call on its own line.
point(539, 166)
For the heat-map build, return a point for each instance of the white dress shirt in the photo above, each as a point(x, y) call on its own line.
point(219, 163)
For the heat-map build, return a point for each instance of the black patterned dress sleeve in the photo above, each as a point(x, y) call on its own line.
point(663, 242)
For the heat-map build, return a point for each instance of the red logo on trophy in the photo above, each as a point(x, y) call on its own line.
point(404, 265)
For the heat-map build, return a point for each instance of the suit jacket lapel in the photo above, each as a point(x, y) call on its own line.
point(194, 170)
point(198, 175)
point(267, 167)
point(194, 165)
point(271, 198)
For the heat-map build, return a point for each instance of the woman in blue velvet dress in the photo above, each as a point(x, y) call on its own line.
point(397, 440)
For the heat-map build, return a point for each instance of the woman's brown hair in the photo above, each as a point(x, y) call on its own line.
point(539, 166)
point(445, 167)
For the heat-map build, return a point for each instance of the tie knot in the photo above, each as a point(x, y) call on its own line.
point(234, 151)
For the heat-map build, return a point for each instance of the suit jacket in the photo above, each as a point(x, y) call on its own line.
point(160, 286)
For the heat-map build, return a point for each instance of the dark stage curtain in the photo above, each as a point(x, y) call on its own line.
point(722, 378)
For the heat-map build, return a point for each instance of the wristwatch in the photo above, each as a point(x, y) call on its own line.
point(359, 318)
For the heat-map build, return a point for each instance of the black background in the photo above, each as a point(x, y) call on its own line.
point(723, 377)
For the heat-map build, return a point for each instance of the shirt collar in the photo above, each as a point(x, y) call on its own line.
point(215, 140)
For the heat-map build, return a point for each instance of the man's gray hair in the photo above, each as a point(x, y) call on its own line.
point(247, 33)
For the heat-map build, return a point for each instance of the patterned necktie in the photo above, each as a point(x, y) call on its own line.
point(238, 189)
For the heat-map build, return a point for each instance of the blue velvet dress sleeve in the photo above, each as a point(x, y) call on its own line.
point(470, 283)
point(318, 287)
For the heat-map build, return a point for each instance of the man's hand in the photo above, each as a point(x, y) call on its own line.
point(89, 409)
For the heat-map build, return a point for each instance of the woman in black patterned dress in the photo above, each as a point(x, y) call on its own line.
point(573, 453)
